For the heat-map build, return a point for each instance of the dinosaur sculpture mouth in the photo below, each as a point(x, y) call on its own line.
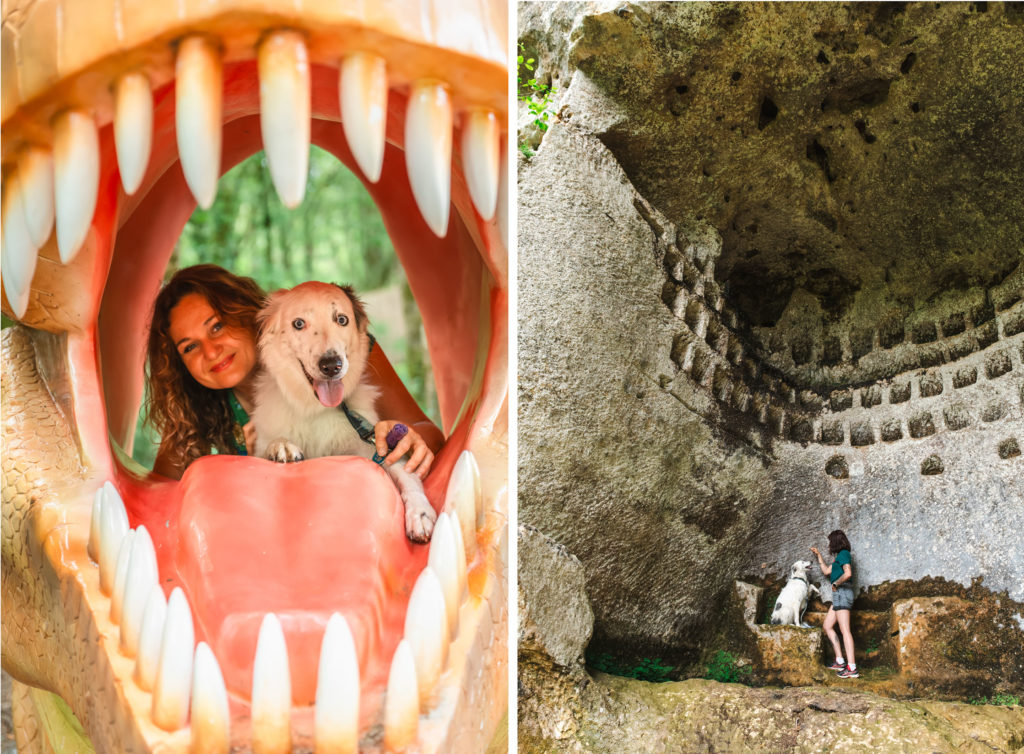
point(244, 537)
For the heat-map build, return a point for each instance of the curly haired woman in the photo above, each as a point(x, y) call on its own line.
point(203, 361)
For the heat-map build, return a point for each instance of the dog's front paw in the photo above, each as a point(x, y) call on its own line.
point(419, 520)
point(283, 451)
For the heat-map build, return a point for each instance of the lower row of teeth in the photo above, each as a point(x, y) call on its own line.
point(185, 679)
point(61, 184)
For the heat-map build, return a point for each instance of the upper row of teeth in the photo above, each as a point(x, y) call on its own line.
point(64, 182)
point(185, 679)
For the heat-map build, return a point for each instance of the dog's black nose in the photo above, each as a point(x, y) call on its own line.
point(330, 365)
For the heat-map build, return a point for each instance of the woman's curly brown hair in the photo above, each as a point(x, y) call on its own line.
point(193, 419)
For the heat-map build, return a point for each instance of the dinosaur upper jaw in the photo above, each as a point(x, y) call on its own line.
point(285, 559)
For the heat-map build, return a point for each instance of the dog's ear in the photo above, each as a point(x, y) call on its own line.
point(271, 305)
point(362, 321)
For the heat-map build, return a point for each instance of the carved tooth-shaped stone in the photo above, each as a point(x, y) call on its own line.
point(76, 178)
point(480, 159)
point(460, 552)
point(95, 524)
point(284, 112)
point(503, 196)
point(150, 637)
point(443, 561)
point(337, 691)
point(36, 170)
point(271, 691)
point(428, 152)
point(142, 575)
point(426, 630)
point(121, 577)
point(197, 115)
point(211, 720)
point(19, 252)
point(174, 675)
point(113, 528)
point(401, 706)
point(363, 84)
point(133, 128)
point(464, 497)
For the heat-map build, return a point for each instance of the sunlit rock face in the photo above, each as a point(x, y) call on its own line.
point(771, 284)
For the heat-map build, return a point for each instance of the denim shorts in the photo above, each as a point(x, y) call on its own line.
point(842, 597)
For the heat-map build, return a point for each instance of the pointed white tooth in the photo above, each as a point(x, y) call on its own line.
point(443, 561)
point(480, 159)
point(426, 630)
point(503, 196)
point(36, 171)
point(460, 552)
point(463, 496)
point(174, 674)
point(93, 548)
point(428, 152)
point(19, 252)
point(76, 179)
point(121, 577)
point(401, 706)
point(271, 691)
point(153, 618)
point(337, 691)
point(364, 107)
point(284, 112)
point(197, 116)
point(211, 718)
point(133, 128)
point(142, 575)
point(113, 528)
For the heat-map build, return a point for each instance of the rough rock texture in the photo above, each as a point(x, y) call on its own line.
point(950, 644)
point(563, 709)
point(619, 714)
point(555, 618)
point(771, 271)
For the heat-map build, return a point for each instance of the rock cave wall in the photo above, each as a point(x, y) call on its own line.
point(771, 282)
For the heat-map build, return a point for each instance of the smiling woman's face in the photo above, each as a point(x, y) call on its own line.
point(218, 356)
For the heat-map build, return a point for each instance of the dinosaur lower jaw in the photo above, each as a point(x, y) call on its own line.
point(100, 293)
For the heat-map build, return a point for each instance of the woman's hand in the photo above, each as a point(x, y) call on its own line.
point(420, 456)
point(249, 430)
point(815, 551)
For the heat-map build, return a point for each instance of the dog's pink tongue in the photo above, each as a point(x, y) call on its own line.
point(329, 392)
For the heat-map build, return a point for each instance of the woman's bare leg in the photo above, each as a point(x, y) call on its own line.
point(829, 626)
point(844, 626)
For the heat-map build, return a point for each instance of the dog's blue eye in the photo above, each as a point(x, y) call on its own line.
point(298, 324)
point(341, 319)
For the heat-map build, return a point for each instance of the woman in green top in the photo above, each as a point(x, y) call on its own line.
point(840, 573)
point(203, 361)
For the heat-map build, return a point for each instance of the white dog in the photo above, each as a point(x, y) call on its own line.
point(792, 602)
point(314, 346)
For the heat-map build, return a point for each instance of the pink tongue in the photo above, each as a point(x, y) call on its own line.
point(329, 392)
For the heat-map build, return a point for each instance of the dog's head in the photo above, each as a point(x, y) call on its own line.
point(799, 569)
point(313, 340)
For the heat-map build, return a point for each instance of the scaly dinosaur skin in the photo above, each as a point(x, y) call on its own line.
point(239, 536)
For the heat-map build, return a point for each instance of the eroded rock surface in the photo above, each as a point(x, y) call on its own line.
point(771, 268)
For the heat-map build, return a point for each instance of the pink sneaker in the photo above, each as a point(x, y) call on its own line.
point(848, 673)
point(837, 666)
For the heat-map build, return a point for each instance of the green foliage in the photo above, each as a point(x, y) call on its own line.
point(1000, 700)
point(768, 610)
point(526, 150)
point(724, 667)
point(536, 95)
point(872, 646)
point(335, 235)
point(646, 669)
